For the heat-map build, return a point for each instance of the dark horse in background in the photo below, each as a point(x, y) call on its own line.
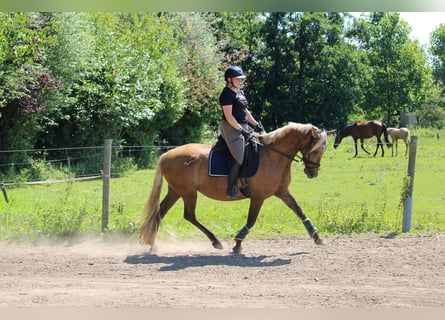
point(185, 168)
point(362, 130)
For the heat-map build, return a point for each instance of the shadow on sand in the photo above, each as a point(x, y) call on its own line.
point(173, 263)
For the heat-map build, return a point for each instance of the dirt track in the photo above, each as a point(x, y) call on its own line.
point(347, 272)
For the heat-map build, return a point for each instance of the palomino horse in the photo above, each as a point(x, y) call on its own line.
point(185, 168)
point(396, 134)
point(361, 130)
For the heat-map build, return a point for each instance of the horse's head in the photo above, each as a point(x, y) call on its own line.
point(339, 136)
point(346, 131)
point(313, 153)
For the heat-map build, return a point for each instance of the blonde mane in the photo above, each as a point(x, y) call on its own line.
point(273, 136)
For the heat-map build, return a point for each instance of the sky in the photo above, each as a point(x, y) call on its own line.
point(423, 23)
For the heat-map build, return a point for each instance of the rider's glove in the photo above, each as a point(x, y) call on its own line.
point(258, 128)
point(245, 133)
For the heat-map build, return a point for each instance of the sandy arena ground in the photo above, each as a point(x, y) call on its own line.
point(347, 272)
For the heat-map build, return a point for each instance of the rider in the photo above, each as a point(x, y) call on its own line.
point(235, 123)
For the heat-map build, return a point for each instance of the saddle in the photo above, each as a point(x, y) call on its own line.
point(220, 158)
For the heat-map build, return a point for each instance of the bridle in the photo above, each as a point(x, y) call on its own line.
point(307, 163)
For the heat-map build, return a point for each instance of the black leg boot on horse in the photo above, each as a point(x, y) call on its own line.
point(232, 190)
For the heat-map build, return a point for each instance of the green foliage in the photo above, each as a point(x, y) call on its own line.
point(123, 165)
point(431, 116)
point(198, 61)
point(138, 78)
point(438, 53)
point(305, 70)
point(24, 78)
point(41, 170)
point(127, 82)
point(35, 170)
point(397, 67)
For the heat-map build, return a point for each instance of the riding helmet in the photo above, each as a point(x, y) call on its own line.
point(234, 72)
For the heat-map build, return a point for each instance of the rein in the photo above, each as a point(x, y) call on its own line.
point(306, 162)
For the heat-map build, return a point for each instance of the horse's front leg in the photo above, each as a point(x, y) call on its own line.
point(356, 150)
point(254, 209)
point(290, 201)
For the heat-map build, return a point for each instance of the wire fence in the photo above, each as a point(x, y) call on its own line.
point(71, 157)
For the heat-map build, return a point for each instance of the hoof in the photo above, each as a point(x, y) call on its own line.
point(217, 245)
point(237, 248)
point(153, 249)
point(317, 239)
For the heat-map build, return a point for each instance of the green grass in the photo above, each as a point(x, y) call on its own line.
point(350, 196)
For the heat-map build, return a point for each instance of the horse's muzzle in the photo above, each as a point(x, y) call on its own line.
point(311, 173)
point(310, 168)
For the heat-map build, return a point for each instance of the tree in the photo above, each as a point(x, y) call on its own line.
point(198, 63)
point(24, 77)
point(437, 50)
point(137, 78)
point(308, 69)
point(397, 66)
point(431, 114)
point(126, 84)
point(327, 88)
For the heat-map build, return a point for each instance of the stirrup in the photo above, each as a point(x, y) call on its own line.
point(245, 190)
point(232, 193)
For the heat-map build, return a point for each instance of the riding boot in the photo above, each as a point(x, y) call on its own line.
point(232, 191)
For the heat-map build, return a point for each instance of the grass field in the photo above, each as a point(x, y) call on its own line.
point(350, 196)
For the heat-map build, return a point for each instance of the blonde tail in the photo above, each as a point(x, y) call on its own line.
point(149, 228)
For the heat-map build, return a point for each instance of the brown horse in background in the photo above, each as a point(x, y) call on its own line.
point(396, 134)
point(361, 130)
point(186, 168)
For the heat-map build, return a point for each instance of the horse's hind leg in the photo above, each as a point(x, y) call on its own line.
point(190, 215)
point(379, 145)
point(169, 200)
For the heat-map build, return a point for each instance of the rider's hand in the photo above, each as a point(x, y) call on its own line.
point(258, 129)
point(245, 133)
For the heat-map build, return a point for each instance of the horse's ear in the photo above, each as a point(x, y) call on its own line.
point(315, 132)
point(331, 132)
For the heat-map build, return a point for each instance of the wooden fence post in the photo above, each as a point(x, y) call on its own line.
point(106, 184)
point(408, 203)
point(5, 193)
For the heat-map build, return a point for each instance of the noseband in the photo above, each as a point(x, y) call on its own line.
point(308, 163)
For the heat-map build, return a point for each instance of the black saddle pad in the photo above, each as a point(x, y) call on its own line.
point(220, 158)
